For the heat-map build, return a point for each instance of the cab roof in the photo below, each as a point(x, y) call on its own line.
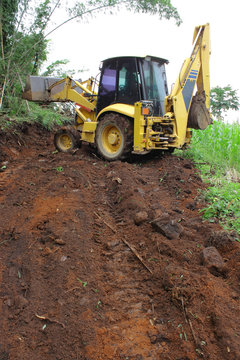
point(147, 57)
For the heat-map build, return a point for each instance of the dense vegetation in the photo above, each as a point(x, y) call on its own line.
point(215, 151)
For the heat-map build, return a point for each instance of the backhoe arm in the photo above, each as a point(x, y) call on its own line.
point(188, 110)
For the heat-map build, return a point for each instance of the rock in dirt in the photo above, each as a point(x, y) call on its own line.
point(213, 260)
point(59, 241)
point(167, 227)
point(140, 217)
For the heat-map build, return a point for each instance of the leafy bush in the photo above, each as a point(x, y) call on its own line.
point(47, 116)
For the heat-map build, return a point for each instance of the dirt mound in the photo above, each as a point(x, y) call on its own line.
point(107, 260)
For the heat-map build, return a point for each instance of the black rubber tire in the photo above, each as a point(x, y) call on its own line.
point(123, 127)
point(66, 140)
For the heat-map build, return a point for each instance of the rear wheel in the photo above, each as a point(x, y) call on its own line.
point(114, 137)
point(65, 140)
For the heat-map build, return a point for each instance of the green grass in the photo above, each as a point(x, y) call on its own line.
point(47, 116)
point(219, 145)
point(216, 153)
point(224, 204)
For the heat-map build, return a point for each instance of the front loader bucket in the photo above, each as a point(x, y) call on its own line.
point(41, 89)
point(199, 117)
point(36, 88)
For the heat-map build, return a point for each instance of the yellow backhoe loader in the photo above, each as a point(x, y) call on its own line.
point(130, 110)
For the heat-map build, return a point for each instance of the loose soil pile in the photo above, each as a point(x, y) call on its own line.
point(103, 261)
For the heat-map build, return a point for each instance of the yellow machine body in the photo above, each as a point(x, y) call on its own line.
point(182, 109)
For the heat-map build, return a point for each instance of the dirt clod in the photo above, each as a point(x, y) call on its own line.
point(140, 217)
point(167, 226)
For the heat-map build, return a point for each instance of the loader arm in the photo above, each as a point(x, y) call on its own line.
point(188, 110)
point(46, 90)
point(69, 93)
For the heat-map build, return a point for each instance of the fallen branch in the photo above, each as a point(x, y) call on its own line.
point(41, 317)
point(110, 227)
point(137, 255)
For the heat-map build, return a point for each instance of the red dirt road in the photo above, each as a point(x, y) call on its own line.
point(103, 261)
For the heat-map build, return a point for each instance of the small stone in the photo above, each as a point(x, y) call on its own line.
point(59, 242)
point(140, 217)
point(213, 260)
point(118, 180)
point(9, 302)
point(63, 258)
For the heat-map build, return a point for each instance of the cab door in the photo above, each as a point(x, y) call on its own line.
point(108, 84)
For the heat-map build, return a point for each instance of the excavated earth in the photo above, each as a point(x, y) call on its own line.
point(103, 261)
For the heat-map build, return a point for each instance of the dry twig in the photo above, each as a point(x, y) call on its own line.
point(110, 227)
point(41, 317)
point(188, 321)
point(137, 255)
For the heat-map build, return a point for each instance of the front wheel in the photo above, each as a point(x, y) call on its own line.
point(114, 137)
point(65, 140)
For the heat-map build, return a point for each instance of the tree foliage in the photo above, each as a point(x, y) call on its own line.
point(24, 28)
point(23, 46)
point(162, 8)
point(8, 10)
point(223, 99)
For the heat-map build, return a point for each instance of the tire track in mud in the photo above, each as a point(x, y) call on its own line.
point(133, 328)
point(129, 289)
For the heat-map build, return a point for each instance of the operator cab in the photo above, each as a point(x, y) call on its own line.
point(127, 80)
